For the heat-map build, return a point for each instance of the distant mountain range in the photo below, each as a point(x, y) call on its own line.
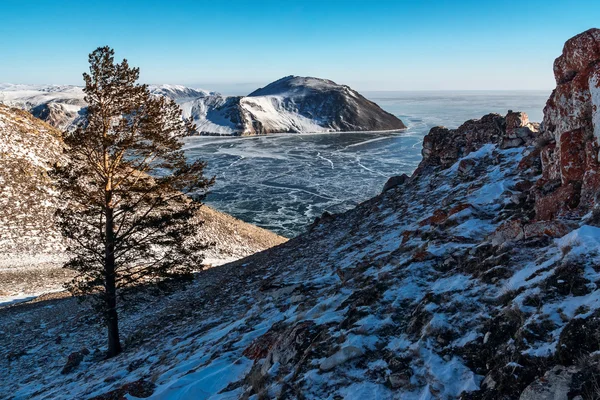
point(292, 104)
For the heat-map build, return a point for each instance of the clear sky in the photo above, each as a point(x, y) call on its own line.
point(238, 45)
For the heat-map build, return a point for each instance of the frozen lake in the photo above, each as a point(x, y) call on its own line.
point(282, 182)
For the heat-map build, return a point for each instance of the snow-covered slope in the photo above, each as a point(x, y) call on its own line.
point(291, 104)
point(178, 92)
point(60, 106)
point(31, 248)
point(442, 287)
point(215, 114)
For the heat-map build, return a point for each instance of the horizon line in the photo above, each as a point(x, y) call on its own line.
point(201, 86)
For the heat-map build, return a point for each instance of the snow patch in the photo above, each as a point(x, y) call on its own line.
point(582, 241)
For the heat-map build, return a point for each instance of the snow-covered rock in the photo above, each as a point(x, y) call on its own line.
point(554, 385)
point(343, 355)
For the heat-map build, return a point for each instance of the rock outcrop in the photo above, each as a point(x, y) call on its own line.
point(442, 147)
point(571, 130)
point(395, 181)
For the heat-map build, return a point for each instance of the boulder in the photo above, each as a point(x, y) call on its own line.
point(554, 229)
point(340, 357)
point(73, 362)
point(554, 385)
point(281, 345)
point(515, 120)
point(141, 388)
point(508, 231)
point(511, 143)
point(395, 181)
point(580, 337)
point(399, 380)
point(466, 167)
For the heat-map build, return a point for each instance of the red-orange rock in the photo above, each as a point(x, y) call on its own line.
point(139, 389)
point(422, 255)
point(572, 127)
point(553, 229)
point(578, 53)
point(406, 235)
point(437, 218)
point(572, 156)
point(564, 199)
point(442, 147)
point(260, 347)
point(516, 120)
point(508, 231)
point(458, 208)
point(550, 164)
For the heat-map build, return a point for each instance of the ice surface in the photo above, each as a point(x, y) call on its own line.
point(282, 182)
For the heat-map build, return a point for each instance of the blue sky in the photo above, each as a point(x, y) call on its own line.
point(237, 45)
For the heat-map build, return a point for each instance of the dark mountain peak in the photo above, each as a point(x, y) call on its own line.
point(332, 106)
point(292, 84)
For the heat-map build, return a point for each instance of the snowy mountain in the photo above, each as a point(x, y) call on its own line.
point(64, 106)
point(299, 104)
point(60, 106)
point(475, 278)
point(178, 92)
point(291, 104)
point(31, 248)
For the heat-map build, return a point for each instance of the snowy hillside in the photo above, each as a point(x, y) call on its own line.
point(178, 92)
point(31, 248)
point(291, 104)
point(431, 290)
point(60, 106)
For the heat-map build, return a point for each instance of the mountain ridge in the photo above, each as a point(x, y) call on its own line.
point(315, 105)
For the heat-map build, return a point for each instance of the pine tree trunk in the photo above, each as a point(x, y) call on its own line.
point(112, 319)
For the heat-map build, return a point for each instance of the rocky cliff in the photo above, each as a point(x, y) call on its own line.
point(292, 104)
point(569, 155)
point(455, 282)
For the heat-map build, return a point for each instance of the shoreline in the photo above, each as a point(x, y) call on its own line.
point(296, 133)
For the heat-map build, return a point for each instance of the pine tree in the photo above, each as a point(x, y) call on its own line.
point(132, 196)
